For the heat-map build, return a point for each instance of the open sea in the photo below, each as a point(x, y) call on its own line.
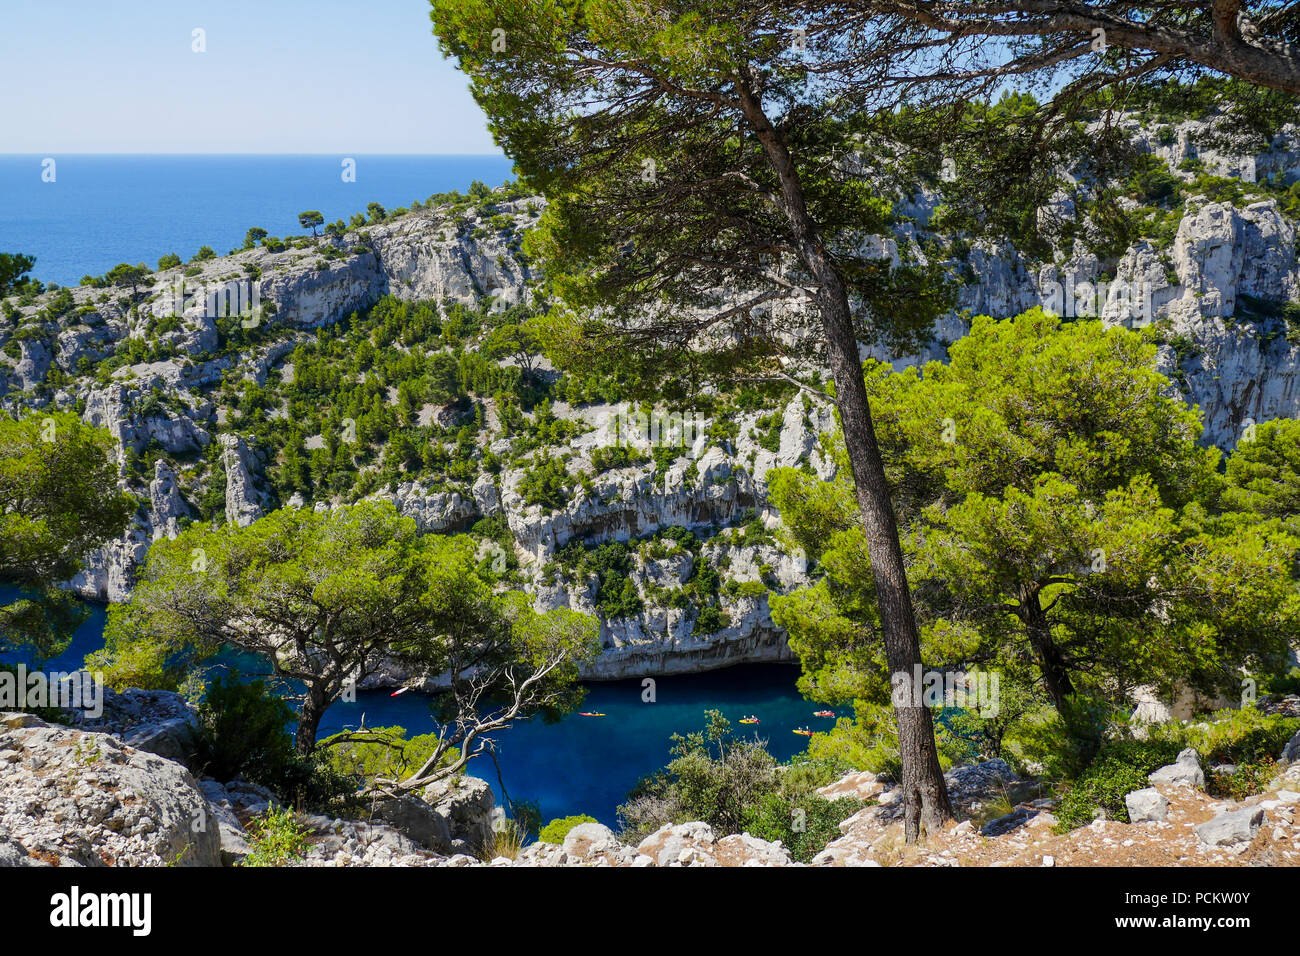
point(100, 210)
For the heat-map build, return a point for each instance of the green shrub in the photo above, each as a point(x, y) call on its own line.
point(713, 777)
point(1064, 743)
point(711, 619)
point(385, 753)
point(611, 562)
point(546, 483)
point(558, 829)
point(1244, 781)
point(736, 785)
point(243, 729)
point(1120, 768)
point(309, 783)
point(804, 825)
point(614, 456)
point(1235, 736)
point(276, 839)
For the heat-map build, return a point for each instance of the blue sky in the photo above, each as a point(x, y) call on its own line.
point(279, 76)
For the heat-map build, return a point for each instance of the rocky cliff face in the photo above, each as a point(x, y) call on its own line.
point(1220, 292)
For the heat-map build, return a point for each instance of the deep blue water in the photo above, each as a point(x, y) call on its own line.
point(105, 209)
point(580, 764)
point(588, 764)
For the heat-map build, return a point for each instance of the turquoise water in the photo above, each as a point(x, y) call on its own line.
point(102, 210)
point(580, 764)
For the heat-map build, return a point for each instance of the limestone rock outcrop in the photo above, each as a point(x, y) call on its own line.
point(76, 798)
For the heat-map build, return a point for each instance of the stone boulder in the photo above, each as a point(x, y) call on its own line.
point(678, 844)
point(414, 818)
point(1285, 705)
point(1146, 805)
point(244, 501)
point(586, 836)
point(221, 813)
point(695, 844)
point(595, 844)
point(1291, 752)
point(157, 721)
point(1184, 772)
point(861, 785)
point(466, 804)
point(350, 843)
point(74, 798)
point(1235, 826)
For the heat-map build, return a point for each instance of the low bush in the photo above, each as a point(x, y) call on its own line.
point(1235, 736)
point(558, 829)
point(276, 838)
point(804, 825)
point(1121, 766)
point(243, 732)
point(736, 786)
point(242, 728)
point(1244, 780)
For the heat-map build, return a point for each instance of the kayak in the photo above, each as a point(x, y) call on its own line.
point(749, 720)
point(804, 733)
point(589, 714)
point(399, 692)
point(824, 713)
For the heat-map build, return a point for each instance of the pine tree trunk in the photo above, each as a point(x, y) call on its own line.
point(313, 709)
point(1056, 675)
point(925, 795)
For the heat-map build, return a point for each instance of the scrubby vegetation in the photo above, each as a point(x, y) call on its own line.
point(735, 786)
point(277, 838)
point(558, 829)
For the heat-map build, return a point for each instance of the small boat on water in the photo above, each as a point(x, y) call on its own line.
point(749, 720)
point(588, 713)
point(803, 731)
point(823, 713)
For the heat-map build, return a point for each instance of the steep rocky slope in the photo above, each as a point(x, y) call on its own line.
point(1224, 291)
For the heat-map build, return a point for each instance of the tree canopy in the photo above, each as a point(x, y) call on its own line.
point(59, 500)
point(981, 44)
point(1058, 516)
point(708, 212)
point(14, 267)
point(311, 219)
point(327, 597)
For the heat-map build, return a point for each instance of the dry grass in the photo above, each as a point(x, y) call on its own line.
point(507, 840)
